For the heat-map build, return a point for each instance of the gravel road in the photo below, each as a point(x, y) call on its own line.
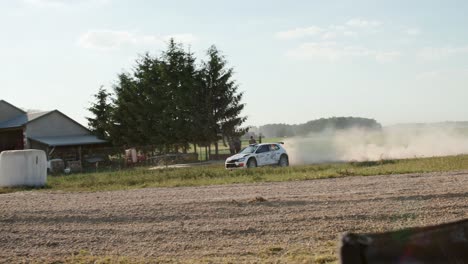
point(223, 221)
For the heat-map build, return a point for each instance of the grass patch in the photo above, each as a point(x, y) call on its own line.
point(216, 175)
point(18, 189)
point(272, 254)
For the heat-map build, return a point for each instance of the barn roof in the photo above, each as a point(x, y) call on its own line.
point(69, 140)
point(22, 120)
point(12, 106)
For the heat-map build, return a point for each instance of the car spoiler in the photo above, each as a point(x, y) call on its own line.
point(282, 143)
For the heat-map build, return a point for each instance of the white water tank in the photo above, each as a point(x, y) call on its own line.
point(23, 168)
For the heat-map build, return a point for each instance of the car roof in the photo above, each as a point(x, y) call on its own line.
point(262, 144)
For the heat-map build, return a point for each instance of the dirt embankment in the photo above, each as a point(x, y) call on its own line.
point(223, 221)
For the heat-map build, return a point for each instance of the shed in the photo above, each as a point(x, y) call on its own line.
point(52, 131)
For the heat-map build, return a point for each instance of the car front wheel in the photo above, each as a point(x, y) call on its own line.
point(252, 163)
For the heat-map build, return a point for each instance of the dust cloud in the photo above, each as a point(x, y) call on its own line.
point(388, 143)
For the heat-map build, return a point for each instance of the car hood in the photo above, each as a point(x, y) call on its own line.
point(237, 156)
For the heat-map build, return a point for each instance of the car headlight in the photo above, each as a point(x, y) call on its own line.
point(241, 160)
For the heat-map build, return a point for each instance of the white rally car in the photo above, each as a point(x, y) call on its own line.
point(259, 155)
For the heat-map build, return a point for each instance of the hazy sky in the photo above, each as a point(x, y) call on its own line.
point(395, 61)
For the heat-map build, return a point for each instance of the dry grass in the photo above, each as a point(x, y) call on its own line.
point(217, 175)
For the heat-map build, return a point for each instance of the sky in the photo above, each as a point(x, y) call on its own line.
point(395, 61)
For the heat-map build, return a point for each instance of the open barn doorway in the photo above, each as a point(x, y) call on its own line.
point(11, 140)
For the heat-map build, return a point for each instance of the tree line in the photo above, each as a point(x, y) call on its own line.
point(169, 101)
point(316, 126)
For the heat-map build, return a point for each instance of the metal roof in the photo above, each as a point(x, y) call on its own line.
point(21, 120)
point(69, 140)
point(7, 103)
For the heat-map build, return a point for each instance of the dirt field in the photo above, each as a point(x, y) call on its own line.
point(197, 223)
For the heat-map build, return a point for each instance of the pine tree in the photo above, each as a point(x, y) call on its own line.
point(100, 125)
point(128, 114)
point(179, 76)
point(153, 100)
point(223, 101)
point(167, 103)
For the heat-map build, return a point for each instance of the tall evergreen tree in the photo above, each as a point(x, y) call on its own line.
point(153, 100)
point(100, 125)
point(128, 115)
point(168, 102)
point(204, 127)
point(178, 74)
point(223, 100)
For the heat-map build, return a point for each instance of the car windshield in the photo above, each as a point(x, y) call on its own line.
point(248, 150)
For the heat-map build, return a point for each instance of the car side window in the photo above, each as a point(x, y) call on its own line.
point(274, 147)
point(263, 149)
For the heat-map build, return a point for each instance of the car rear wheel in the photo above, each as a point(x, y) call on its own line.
point(283, 162)
point(252, 163)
